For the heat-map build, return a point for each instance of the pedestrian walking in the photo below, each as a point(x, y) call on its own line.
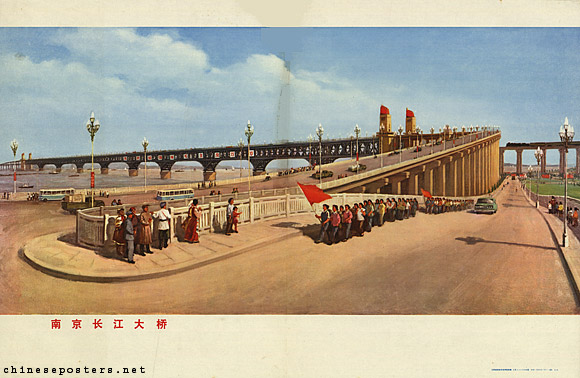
point(334, 223)
point(347, 222)
point(193, 216)
point(164, 217)
point(324, 218)
point(119, 233)
point(360, 219)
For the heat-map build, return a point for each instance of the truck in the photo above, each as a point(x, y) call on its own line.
point(74, 202)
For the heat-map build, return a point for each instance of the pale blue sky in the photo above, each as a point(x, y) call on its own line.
point(184, 87)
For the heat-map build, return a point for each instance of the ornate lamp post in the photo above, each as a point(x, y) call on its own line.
point(476, 132)
point(418, 132)
point(14, 147)
point(538, 155)
point(145, 144)
point(454, 134)
point(319, 133)
point(463, 134)
point(241, 145)
point(356, 132)
point(249, 132)
point(310, 139)
point(400, 131)
point(442, 137)
point(92, 127)
point(351, 138)
point(432, 131)
point(566, 136)
point(470, 133)
point(528, 180)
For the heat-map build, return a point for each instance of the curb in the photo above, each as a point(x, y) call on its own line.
point(573, 280)
point(126, 278)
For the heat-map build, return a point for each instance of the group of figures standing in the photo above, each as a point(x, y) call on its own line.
point(343, 222)
point(440, 205)
point(136, 229)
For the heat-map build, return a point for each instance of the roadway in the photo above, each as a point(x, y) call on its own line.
point(453, 263)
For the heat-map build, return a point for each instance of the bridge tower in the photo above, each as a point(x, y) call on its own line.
point(385, 135)
point(410, 122)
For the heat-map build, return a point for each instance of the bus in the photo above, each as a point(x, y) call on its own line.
point(54, 194)
point(174, 194)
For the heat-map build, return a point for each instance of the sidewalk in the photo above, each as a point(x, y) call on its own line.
point(571, 254)
point(57, 255)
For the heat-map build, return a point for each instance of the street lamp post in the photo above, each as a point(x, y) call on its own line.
point(418, 132)
point(351, 138)
point(442, 137)
point(249, 132)
point(319, 133)
point(454, 134)
point(566, 136)
point(463, 134)
point(310, 139)
point(241, 145)
point(400, 130)
point(92, 127)
point(432, 131)
point(356, 132)
point(538, 155)
point(145, 144)
point(528, 180)
point(14, 147)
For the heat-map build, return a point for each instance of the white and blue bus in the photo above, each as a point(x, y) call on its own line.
point(174, 194)
point(54, 194)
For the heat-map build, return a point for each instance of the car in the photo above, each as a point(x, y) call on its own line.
point(486, 205)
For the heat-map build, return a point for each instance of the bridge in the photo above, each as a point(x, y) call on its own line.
point(210, 157)
point(520, 147)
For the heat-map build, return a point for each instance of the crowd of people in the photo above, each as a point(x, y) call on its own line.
point(557, 208)
point(438, 205)
point(6, 195)
point(133, 232)
point(340, 223)
point(116, 202)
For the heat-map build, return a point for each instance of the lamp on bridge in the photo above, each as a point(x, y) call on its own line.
point(538, 155)
point(566, 136)
point(310, 139)
point(463, 134)
point(241, 145)
point(454, 134)
point(442, 137)
point(528, 180)
point(145, 143)
point(356, 132)
point(319, 133)
point(400, 130)
point(92, 127)
point(14, 147)
point(470, 133)
point(249, 132)
point(432, 131)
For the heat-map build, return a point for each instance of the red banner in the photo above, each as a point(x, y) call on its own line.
point(546, 176)
point(570, 175)
point(313, 193)
point(14, 176)
point(92, 179)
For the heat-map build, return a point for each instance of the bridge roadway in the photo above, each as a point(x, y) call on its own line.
point(453, 263)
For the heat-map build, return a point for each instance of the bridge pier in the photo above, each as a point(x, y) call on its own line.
point(519, 161)
point(562, 161)
point(104, 171)
point(80, 170)
point(133, 172)
point(578, 161)
point(58, 170)
point(209, 175)
point(543, 162)
point(165, 174)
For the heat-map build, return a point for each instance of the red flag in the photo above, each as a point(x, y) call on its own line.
point(426, 193)
point(545, 176)
point(384, 110)
point(570, 175)
point(410, 113)
point(313, 193)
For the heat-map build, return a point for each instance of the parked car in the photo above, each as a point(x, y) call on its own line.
point(486, 205)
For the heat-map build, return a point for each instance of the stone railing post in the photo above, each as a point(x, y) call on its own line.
point(287, 205)
point(211, 213)
point(251, 209)
point(105, 216)
point(171, 228)
point(77, 225)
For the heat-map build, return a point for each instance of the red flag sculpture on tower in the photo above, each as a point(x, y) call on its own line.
point(410, 113)
point(313, 193)
point(384, 109)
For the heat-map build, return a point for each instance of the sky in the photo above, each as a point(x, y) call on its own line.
point(195, 87)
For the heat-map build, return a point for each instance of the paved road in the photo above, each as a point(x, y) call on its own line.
point(454, 263)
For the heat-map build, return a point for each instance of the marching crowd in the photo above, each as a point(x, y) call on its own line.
point(340, 223)
point(442, 205)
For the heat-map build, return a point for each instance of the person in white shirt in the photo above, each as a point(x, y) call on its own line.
point(164, 218)
point(230, 216)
